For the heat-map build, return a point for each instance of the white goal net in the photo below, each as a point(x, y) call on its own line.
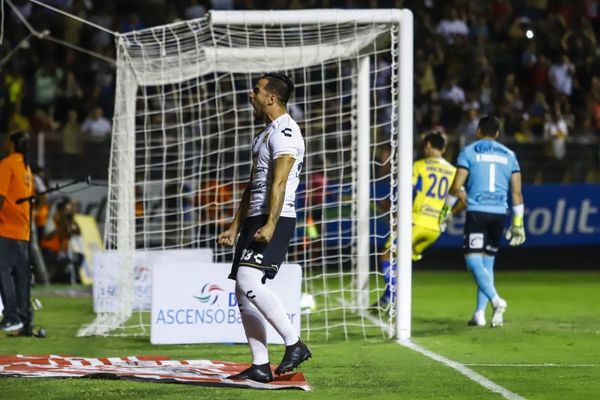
point(180, 153)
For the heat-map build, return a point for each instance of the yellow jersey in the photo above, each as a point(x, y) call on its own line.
point(432, 178)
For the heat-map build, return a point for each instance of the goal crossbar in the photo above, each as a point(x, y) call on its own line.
point(300, 17)
point(177, 53)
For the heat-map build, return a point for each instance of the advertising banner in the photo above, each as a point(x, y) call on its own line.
point(555, 215)
point(107, 275)
point(196, 303)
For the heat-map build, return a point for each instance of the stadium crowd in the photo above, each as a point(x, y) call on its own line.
point(534, 63)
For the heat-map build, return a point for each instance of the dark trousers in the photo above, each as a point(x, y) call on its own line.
point(15, 280)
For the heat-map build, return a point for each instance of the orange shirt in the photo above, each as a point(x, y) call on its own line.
point(41, 214)
point(16, 182)
point(216, 201)
point(57, 242)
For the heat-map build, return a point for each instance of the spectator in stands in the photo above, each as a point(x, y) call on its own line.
point(17, 121)
point(453, 28)
point(536, 113)
point(479, 30)
point(468, 127)
point(40, 217)
point(63, 263)
point(15, 86)
point(452, 93)
point(561, 75)
point(529, 57)
point(71, 139)
point(71, 96)
point(40, 178)
point(485, 95)
point(424, 76)
point(539, 73)
point(42, 122)
point(555, 133)
point(48, 78)
point(501, 13)
point(195, 9)
point(580, 43)
point(215, 202)
point(96, 126)
point(72, 29)
point(452, 97)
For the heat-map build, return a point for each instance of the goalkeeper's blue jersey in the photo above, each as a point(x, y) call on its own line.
point(490, 165)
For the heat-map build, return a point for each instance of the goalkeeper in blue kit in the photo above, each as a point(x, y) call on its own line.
point(488, 170)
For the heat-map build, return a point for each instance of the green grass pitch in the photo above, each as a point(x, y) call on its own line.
point(549, 348)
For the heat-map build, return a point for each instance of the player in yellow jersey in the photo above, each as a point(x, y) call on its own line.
point(432, 177)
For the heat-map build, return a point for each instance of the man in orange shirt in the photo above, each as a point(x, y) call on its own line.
point(16, 182)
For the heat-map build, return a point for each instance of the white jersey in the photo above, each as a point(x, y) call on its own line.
point(281, 137)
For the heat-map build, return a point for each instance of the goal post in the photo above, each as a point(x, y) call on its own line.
point(181, 140)
point(405, 160)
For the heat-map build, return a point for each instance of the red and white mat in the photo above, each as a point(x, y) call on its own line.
point(150, 369)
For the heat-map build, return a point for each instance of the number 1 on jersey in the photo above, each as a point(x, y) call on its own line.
point(492, 180)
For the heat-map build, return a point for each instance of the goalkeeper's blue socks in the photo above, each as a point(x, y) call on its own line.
point(488, 263)
point(389, 277)
point(482, 301)
point(483, 278)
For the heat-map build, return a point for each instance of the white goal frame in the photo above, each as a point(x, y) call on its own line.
point(403, 19)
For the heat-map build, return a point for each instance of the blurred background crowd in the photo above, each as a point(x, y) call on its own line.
point(534, 63)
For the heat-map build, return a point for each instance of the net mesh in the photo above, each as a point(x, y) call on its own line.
point(180, 156)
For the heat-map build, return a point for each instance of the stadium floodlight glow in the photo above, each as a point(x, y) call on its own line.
point(181, 139)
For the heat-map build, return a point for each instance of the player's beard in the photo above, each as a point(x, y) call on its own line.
point(258, 115)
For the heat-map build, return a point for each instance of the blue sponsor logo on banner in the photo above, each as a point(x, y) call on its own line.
point(217, 315)
point(555, 215)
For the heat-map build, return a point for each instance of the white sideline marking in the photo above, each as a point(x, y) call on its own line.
point(462, 368)
point(469, 373)
point(543, 365)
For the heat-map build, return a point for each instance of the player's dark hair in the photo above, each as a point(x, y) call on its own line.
point(21, 143)
point(436, 139)
point(280, 85)
point(489, 125)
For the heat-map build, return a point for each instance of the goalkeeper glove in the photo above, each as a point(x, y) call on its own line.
point(445, 216)
point(516, 234)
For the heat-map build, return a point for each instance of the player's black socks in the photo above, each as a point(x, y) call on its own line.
point(258, 373)
point(294, 356)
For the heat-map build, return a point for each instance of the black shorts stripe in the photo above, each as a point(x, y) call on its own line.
point(264, 256)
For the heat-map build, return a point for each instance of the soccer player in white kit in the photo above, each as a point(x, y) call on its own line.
point(265, 221)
